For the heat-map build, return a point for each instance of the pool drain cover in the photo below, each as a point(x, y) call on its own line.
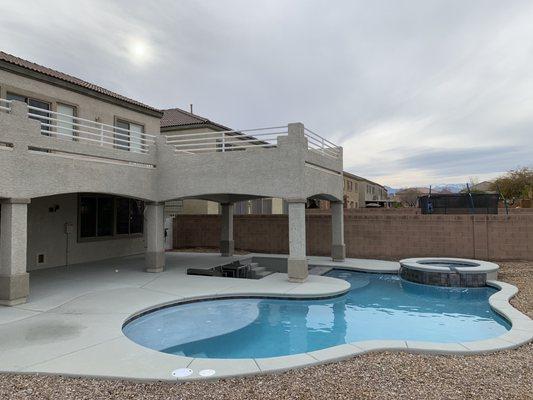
point(206, 372)
point(182, 373)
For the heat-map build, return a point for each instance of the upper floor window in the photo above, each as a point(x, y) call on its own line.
point(128, 136)
point(66, 122)
point(40, 115)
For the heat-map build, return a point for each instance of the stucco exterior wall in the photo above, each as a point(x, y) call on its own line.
point(47, 236)
point(26, 173)
point(87, 107)
point(289, 171)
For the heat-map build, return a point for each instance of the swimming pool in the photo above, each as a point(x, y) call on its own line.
point(378, 306)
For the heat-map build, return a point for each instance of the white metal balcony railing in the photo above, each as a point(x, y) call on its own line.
point(317, 143)
point(195, 143)
point(5, 105)
point(72, 128)
point(235, 140)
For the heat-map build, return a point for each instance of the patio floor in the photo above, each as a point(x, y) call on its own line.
point(73, 319)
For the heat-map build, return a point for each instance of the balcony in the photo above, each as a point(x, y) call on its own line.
point(81, 130)
point(238, 140)
point(76, 129)
point(63, 153)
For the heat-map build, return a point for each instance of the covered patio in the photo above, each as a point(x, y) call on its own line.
point(72, 322)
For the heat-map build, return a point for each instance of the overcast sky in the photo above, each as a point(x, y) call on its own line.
point(417, 92)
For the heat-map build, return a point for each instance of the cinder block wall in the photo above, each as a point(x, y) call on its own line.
point(374, 235)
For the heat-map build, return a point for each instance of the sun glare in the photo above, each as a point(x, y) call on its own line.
point(139, 51)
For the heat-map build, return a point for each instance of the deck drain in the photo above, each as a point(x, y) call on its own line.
point(206, 372)
point(182, 372)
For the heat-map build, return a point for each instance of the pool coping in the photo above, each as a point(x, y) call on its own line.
point(120, 358)
point(521, 332)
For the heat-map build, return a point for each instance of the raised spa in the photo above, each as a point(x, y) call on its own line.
point(378, 306)
point(458, 272)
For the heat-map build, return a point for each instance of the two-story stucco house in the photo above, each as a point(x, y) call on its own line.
point(85, 174)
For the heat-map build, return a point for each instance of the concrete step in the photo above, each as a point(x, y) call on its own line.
point(319, 270)
point(261, 274)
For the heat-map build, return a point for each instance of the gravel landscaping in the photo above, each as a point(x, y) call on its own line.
point(502, 375)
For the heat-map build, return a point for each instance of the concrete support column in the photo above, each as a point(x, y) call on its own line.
point(227, 245)
point(155, 237)
point(338, 249)
point(297, 262)
point(14, 280)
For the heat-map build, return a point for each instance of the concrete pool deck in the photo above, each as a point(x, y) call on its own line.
point(72, 323)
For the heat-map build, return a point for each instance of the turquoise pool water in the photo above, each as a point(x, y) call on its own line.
point(377, 307)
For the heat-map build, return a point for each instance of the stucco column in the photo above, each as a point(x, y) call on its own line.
point(14, 280)
point(227, 245)
point(338, 249)
point(297, 263)
point(155, 237)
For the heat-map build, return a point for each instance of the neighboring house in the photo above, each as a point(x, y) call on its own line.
point(176, 121)
point(351, 186)
point(372, 193)
point(360, 192)
point(85, 173)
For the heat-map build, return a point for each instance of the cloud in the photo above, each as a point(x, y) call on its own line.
point(395, 83)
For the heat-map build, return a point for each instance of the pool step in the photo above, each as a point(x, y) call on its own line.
point(319, 270)
point(259, 272)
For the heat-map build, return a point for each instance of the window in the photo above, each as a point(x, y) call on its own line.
point(18, 97)
point(42, 116)
point(65, 125)
point(129, 216)
point(106, 216)
point(96, 216)
point(136, 216)
point(87, 210)
point(123, 216)
point(128, 136)
point(104, 221)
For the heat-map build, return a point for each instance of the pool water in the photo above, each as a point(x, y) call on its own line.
point(378, 306)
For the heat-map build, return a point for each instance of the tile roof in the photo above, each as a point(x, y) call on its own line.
point(178, 117)
point(8, 58)
point(359, 178)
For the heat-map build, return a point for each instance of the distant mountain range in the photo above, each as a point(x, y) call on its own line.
point(445, 188)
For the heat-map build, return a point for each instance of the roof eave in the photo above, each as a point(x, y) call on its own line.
point(16, 69)
point(197, 125)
